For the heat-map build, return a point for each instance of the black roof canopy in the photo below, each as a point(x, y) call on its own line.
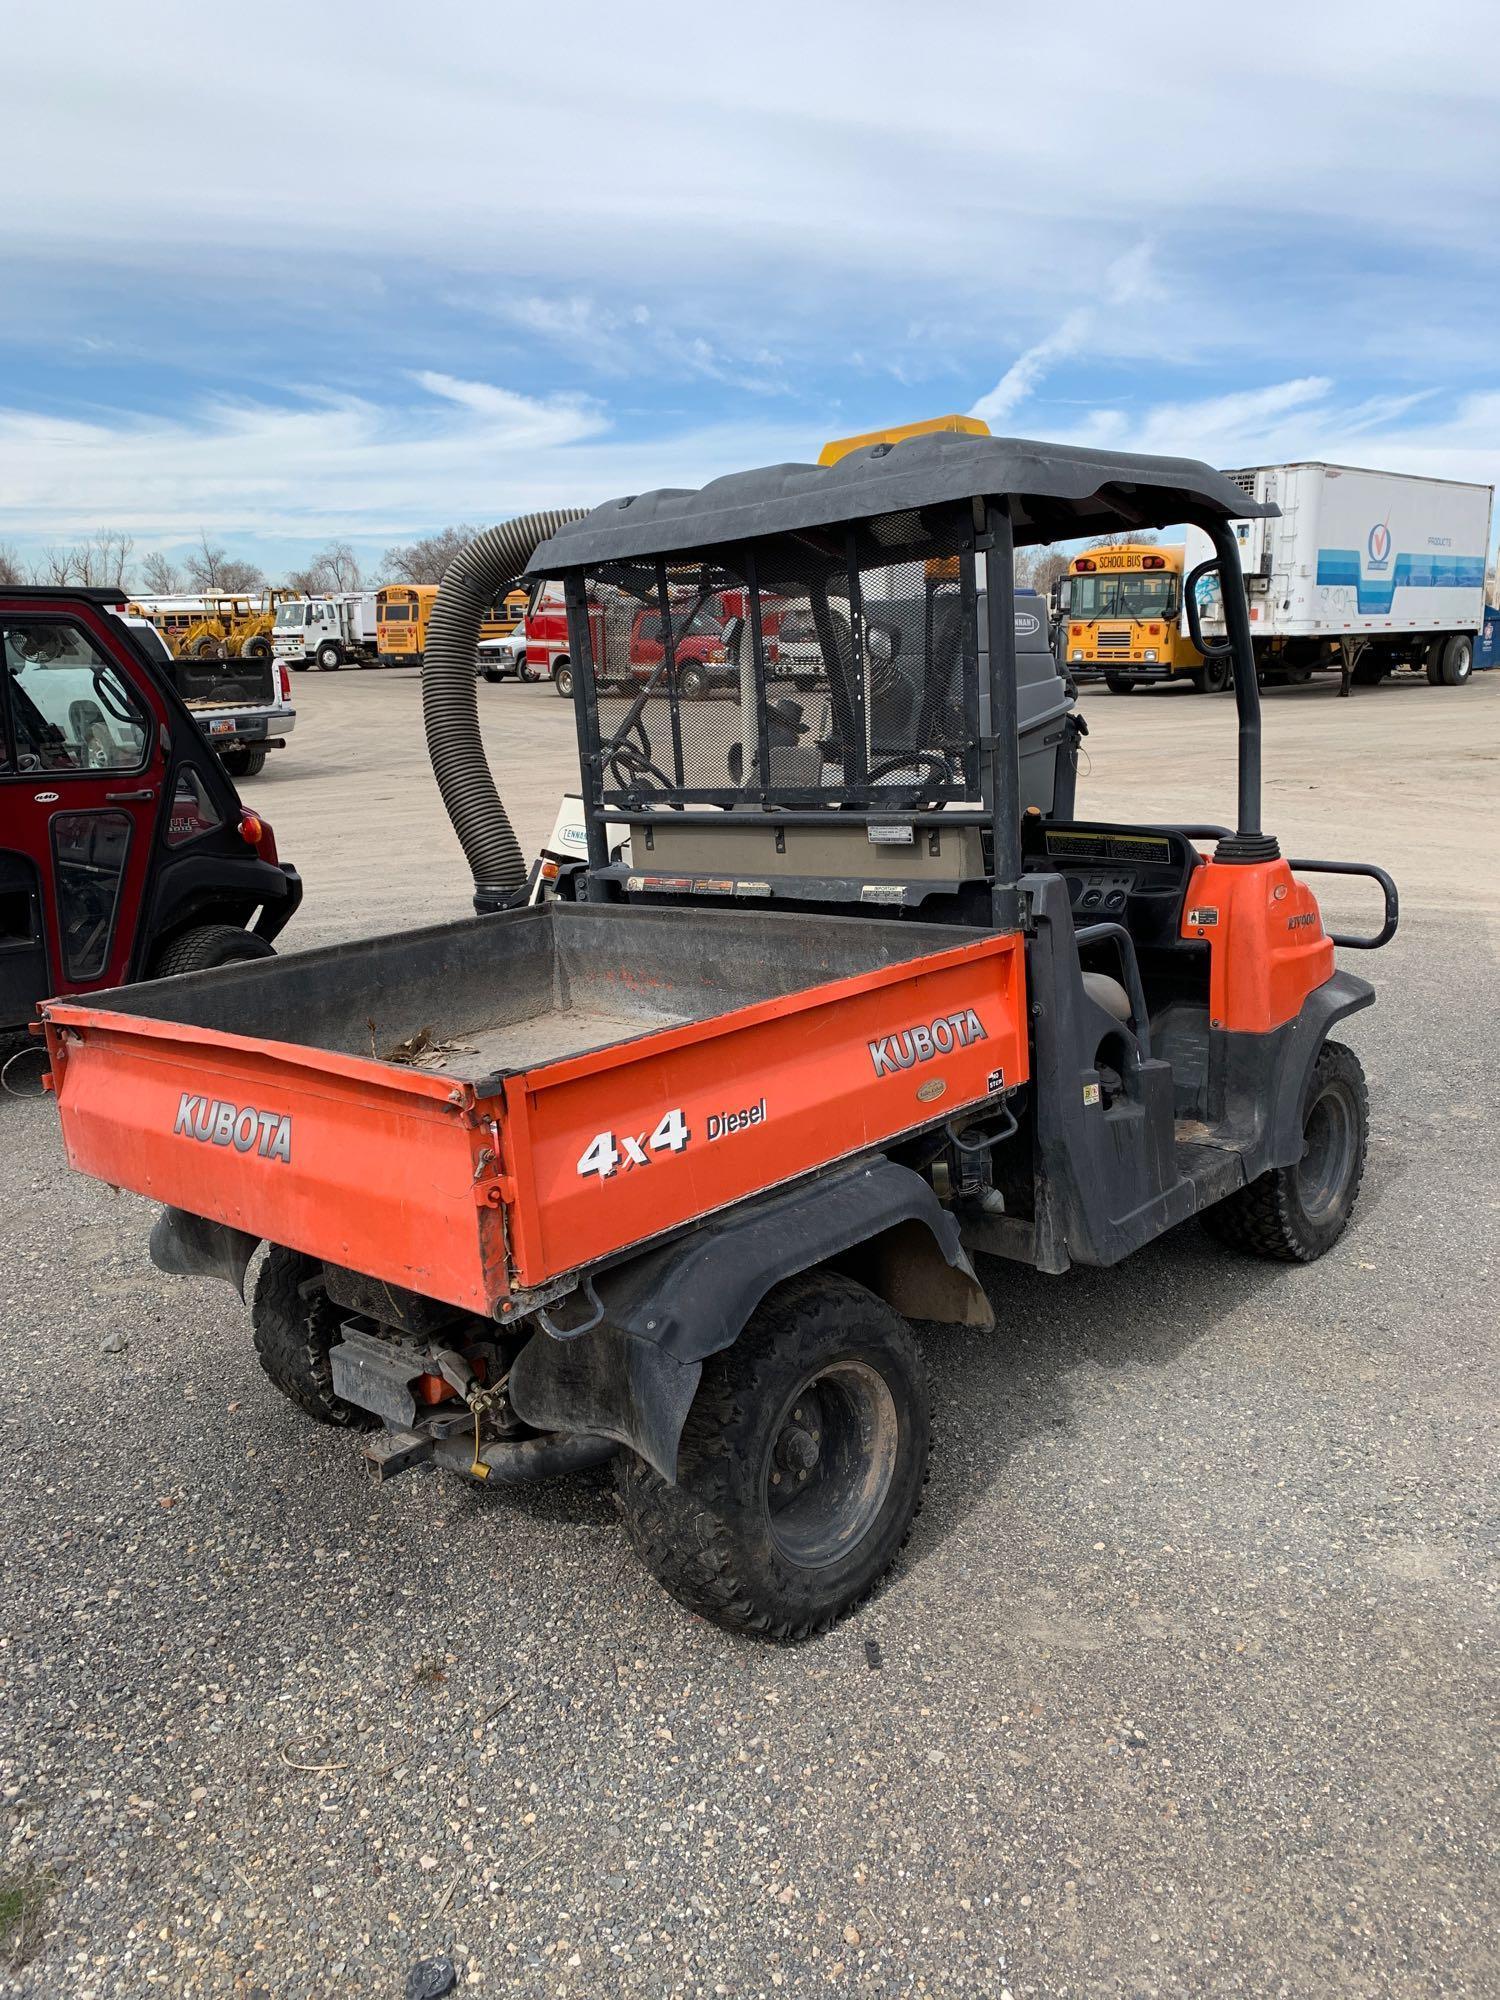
point(1057, 492)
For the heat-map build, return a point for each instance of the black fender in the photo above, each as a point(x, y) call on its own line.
point(633, 1373)
point(1331, 1002)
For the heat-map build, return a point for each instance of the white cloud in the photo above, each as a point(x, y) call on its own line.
point(460, 450)
point(819, 165)
point(1131, 298)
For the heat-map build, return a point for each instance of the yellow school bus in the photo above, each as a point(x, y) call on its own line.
point(401, 614)
point(1120, 616)
point(501, 619)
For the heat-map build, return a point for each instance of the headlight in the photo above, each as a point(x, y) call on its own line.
point(1151, 655)
point(1077, 655)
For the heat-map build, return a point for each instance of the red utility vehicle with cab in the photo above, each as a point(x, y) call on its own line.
point(125, 852)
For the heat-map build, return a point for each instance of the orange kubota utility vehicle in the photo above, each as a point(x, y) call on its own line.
point(857, 997)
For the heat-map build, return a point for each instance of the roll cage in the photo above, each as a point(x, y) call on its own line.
point(902, 555)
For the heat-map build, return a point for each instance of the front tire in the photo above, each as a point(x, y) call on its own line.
point(1119, 683)
point(692, 682)
point(294, 1331)
point(1211, 678)
point(330, 658)
point(801, 1465)
point(1293, 1214)
point(257, 648)
point(207, 945)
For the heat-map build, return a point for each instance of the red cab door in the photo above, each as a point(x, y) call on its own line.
point(81, 771)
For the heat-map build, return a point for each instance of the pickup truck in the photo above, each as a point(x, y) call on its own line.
point(244, 707)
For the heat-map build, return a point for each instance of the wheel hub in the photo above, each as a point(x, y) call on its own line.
point(797, 1449)
point(830, 1468)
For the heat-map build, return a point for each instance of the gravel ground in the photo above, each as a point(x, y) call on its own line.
point(1183, 1686)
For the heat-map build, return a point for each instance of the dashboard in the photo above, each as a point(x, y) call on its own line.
point(1129, 875)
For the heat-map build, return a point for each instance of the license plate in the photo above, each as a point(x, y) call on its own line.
point(221, 729)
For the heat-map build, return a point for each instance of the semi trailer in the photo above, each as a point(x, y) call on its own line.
point(1357, 571)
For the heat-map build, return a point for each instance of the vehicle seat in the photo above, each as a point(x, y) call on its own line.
point(1106, 991)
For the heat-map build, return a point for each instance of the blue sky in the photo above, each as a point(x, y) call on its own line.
point(291, 273)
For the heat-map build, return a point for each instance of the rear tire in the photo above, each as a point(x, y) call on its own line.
point(1458, 660)
point(208, 945)
point(294, 1333)
point(1119, 683)
point(562, 679)
point(1435, 662)
point(1293, 1214)
point(801, 1466)
point(244, 763)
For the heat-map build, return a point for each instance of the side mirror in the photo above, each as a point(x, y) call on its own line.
point(1215, 649)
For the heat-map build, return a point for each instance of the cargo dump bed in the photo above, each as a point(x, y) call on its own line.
point(479, 1110)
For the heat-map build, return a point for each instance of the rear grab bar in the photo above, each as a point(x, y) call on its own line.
point(1387, 888)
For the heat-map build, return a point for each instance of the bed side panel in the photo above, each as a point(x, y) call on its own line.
point(612, 1148)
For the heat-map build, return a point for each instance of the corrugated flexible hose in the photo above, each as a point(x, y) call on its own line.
point(475, 580)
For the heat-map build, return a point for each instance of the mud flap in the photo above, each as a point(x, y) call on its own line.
point(190, 1246)
point(608, 1383)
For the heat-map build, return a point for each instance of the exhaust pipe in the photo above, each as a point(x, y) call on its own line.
point(450, 702)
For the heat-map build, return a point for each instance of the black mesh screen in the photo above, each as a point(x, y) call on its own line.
point(821, 668)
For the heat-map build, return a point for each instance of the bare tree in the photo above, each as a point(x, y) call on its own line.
point(11, 568)
point(57, 567)
point(211, 567)
point(424, 561)
point(1048, 566)
point(104, 558)
point(340, 565)
point(160, 576)
point(335, 568)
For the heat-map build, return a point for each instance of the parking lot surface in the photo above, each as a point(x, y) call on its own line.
point(1184, 1684)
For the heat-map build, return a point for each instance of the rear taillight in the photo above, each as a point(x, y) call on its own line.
point(286, 683)
point(256, 833)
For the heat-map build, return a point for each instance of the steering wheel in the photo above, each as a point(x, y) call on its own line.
point(935, 761)
point(628, 765)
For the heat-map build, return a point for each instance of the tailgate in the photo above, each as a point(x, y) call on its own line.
point(358, 1163)
point(226, 683)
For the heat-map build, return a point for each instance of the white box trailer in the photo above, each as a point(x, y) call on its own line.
point(333, 631)
point(1363, 571)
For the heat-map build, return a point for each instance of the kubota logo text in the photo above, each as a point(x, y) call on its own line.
point(935, 1038)
point(215, 1123)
